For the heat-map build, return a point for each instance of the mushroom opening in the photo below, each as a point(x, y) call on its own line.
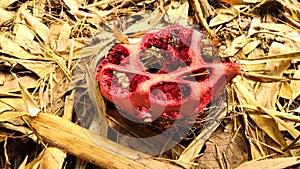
point(170, 93)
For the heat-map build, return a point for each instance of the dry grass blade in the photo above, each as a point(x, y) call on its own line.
point(271, 58)
point(11, 84)
point(278, 163)
point(61, 133)
point(5, 116)
point(63, 39)
point(277, 117)
point(36, 162)
point(10, 47)
point(40, 29)
point(31, 104)
point(267, 78)
point(60, 61)
point(38, 67)
point(267, 124)
point(191, 152)
point(120, 36)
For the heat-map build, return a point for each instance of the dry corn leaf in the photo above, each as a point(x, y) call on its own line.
point(60, 61)
point(100, 4)
point(277, 117)
point(55, 30)
point(31, 104)
point(5, 3)
point(38, 27)
point(91, 50)
point(19, 128)
point(291, 8)
point(249, 47)
point(104, 153)
point(12, 104)
point(277, 163)
point(52, 158)
point(22, 31)
point(270, 127)
point(120, 36)
point(64, 38)
point(294, 132)
point(268, 92)
point(11, 48)
point(25, 38)
point(101, 123)
point(83, 14)
point(23, 164)
point(97, 14)
point(9, 95)
point(237, 44)
point(223, 16)
point(146, 24)
point(69, 106)
point(73, 5)
point(286, 91)
point(267, 124)
point(271, 58)
point(197, 7)
point(254, 23)
point(274, 27)
point(40, 68)
point(5, 15)
point(11, 84)
point(255, 151)
point(178, 9)
point(278, 68)
point(6, 116)
point(284, 115)
point(266, 78)
point(295, 85)
point(5, 107)
point(256, 52)
point(267, 95)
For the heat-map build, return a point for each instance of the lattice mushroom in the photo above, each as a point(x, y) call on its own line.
point(164, 75)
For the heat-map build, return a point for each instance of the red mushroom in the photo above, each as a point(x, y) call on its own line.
point(164, 75)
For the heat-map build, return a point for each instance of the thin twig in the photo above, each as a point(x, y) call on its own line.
point(219, 157)
point(200, 18)
point(235, 133)
point(206, 72)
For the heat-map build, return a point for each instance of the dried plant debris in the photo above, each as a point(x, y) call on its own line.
point(47, 84)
